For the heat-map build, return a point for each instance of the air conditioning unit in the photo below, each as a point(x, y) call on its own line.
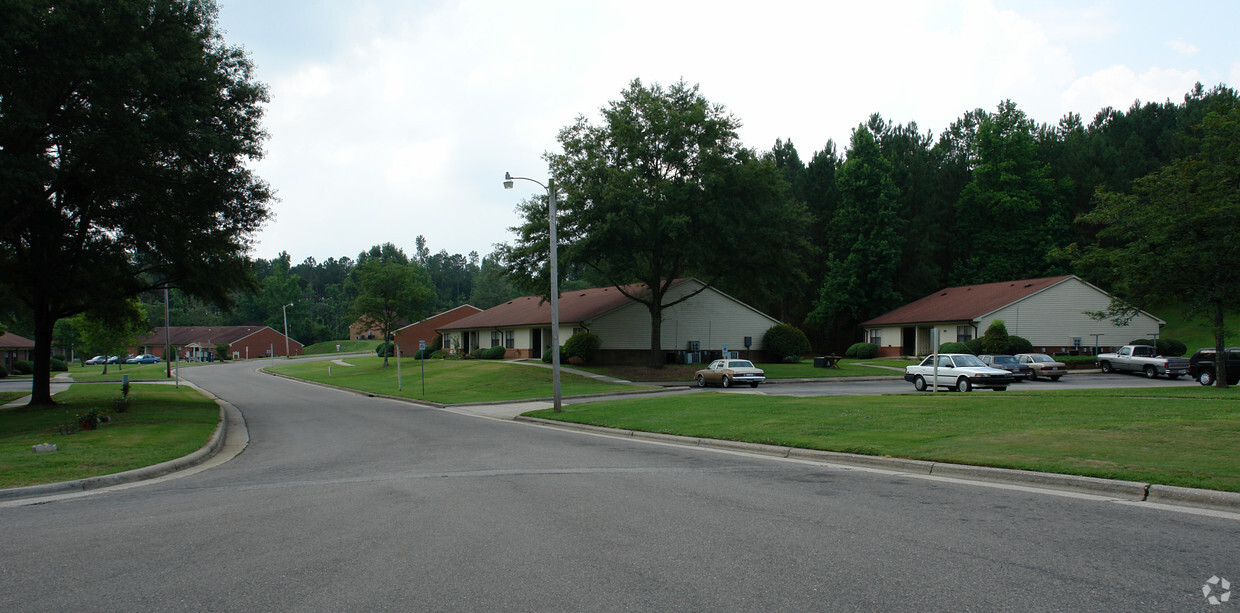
point(695, 346)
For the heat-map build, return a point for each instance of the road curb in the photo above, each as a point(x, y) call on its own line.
point(202, 454)
point(1110, 488)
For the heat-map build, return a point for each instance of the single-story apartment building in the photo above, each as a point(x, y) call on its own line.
point(693, 331)
point(197, 343)
point(408, 337)
point(1051, 313)
point(14, 348)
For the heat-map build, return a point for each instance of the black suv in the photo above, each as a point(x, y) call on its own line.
point(1201, 366)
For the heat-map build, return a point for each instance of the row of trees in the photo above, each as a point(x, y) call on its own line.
point(661, 188)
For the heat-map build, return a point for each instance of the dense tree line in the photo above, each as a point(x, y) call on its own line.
point(323, 294)
point(902, 213)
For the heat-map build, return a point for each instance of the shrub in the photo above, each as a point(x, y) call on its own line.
point(59, 365)
point(954, 348)
point(494, 353)
point(1017, 344)
point(438, 354)
point(59, 356)
point(996, 339)
point(222, 351)
point(4, 372)
point(783, 340)
point(1165, 346)
point(584, 345)
point(385, 350)
point(974, 346)
point(426, 354)
point(862, 351)
point(477, 354)
point(23, 367)
point(546, 357)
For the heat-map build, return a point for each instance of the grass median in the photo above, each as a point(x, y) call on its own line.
point(447, 381)
point(1172, 436)
point(162, 423)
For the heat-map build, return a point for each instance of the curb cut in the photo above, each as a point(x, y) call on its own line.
point(1131, 491)
point(202, 454)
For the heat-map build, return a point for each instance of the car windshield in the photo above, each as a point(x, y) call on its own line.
point(967, 360)
point(1003, 359)
point(740, 364)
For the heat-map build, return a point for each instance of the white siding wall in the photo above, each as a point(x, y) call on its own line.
point(711, 318)
point(1052, 318)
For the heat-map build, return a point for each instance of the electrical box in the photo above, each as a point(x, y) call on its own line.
point(695, 346)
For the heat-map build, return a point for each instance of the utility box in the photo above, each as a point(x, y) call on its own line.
point(695, 346)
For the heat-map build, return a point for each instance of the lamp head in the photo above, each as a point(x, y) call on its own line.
point(507, 180)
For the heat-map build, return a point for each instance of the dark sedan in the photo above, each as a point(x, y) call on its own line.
point(1020, 372)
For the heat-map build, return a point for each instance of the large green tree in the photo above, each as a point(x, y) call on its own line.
point(661, 189)
point(865, 251)
point(125, 128)
point(390, 293)
point(1010, 214)
point(1174, 236)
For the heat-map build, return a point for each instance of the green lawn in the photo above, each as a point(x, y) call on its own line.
point(447, 381)
point(7, 397)
point(162, 423)
point(1195, 333)
point(345, 347)
point(135, 372)
point(1176, 436)
point(683, 373)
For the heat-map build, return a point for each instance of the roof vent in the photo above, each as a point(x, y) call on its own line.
point(943, 294)
point(1028, 285)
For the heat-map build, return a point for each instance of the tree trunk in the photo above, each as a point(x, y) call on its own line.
point(656, 333)
point(41, 386)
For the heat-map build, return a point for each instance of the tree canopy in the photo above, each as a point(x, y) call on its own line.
point(125, 128)
point(391, 293)
point(1176, 234)
point(661, 189)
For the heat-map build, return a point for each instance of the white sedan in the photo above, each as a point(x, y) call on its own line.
point(959, 371)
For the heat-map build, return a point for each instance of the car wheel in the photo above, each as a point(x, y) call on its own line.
point(726, 381)
point(963, 384)
point(754, 384)
point(1105, 366)
point(1150, 372)
point(919, 383)
point(701, 381)
point(1205, 377)
point(1055, 378)
point(1033, 377)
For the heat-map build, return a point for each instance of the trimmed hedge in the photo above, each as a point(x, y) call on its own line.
point(954, 348)
point(59, 365)
point(584, 345)
point(1165, 346)
point(785, 340)
point(862, 351)
point(385, 350)
point(4, 372)
point(23, 367)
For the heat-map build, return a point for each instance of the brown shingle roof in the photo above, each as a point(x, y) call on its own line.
point(575, 307)
point(8, 340)
point(965, 303)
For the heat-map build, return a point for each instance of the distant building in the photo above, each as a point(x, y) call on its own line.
point(198, 343)
point(14, 348)
point(407, 337)
point(694, 330)
point(1051, 313)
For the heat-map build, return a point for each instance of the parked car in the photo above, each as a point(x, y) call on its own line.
point(1202, 366)
point(145, 358)
point(728, 372)
point(1142, 359)
point(960, 371)
point(1043, 365)
point(99, 359)
point(114, 359)
point(1020, 372)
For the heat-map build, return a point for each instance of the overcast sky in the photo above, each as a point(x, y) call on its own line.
point(390, 119)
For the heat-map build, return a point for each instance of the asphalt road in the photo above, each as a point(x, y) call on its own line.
point(344, 502)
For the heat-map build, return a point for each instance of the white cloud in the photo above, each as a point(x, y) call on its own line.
point(1181, 47)
point(1119, 87)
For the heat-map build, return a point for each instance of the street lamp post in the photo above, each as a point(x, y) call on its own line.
point(285, 309)
point(555, 286)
